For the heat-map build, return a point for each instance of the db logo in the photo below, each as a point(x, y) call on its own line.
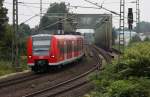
point(41, 57)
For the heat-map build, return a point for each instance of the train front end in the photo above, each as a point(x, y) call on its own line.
point(38, 52)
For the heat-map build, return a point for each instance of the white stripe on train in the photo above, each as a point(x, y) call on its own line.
point(61, 62)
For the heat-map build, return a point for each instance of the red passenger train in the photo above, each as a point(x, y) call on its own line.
point(44, 50)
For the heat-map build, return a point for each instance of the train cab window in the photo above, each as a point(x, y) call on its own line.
point(41, 45)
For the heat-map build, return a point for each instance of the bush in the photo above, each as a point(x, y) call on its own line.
point(136, 38)
point(147, 39)
point(137, 57)
point(126, 88)
point(129, 78)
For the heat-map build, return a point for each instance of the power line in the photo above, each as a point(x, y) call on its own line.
point(101, 7)
point(30, 18)
point(42, 28)
point(119, 2)
point(35, 16)
point(24, 4)
point(83, 7)
point(35, 3)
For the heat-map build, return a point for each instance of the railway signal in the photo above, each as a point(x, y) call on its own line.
point(130, 20)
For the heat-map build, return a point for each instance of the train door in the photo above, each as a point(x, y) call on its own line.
point(68, 49)
point(65, 49)
point(72, 45)
point(80, 47)
point(75, 48)
point(61, 49)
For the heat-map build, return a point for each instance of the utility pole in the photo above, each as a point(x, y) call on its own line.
point(41, 9)
point(122, 24)
point(15, 54)
point(137, 17)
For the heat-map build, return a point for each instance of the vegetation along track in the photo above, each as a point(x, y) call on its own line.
point(54, 84)
point(67, 85)
point(47, 80)
point(18, 79)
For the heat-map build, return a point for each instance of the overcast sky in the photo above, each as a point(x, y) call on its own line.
point(26, 11)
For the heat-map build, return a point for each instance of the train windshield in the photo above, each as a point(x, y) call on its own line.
point(41, 45)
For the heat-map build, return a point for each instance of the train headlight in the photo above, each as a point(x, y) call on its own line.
point(52, 56)
point(30, 57)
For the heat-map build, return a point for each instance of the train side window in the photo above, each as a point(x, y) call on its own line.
point(78, 45)
point(67, 47)
point(75, 46)
point(71, 46)
point(61, 46)
point(82, 44)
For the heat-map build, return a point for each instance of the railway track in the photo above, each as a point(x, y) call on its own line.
point(17, 80)
point(68, 85)
point(104, 53)
point(52, 88)
point(30, 86)
point(116, 51)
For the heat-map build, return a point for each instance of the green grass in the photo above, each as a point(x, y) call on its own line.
point(6, 67)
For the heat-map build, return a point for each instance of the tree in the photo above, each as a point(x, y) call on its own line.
point(136, 38)
point(143, 27)
point(51, 17)
point(5, 43)
point(24, 30)
point(3, 18)
point(147, 39)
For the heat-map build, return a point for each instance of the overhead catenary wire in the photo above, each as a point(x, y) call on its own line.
point(42, 28)
point(83, 7)
point(36, 15)
point(101, 7)
point(24, 4)
point(29, 19)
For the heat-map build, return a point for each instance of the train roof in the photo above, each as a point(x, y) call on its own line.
point(38, 35)
point(60, 36)
point(67, 36)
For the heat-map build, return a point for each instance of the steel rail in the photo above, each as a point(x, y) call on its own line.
point(18, 80)
point(36, 93)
